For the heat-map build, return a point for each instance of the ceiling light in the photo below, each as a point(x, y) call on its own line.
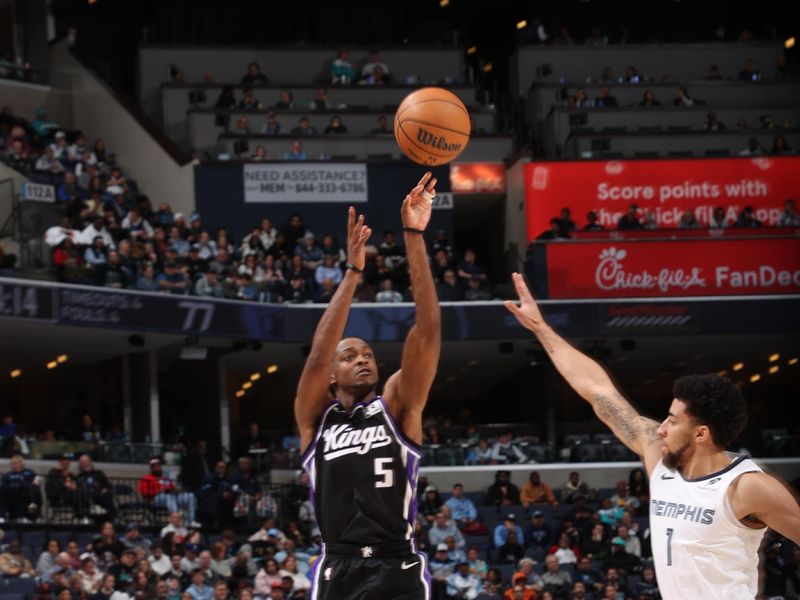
point(487, 68)
point(738, 366)
point(774, 357)
point(272, 369)
point(472, 50)
point(247, 385)
point(793, 361)
point(754, 378)
point(774, 369)
point(15, 373)
point(62, 358)
point(255, 376)
point(722, 373)
point(52, 364)
point(444, 3)
point(522, 24)
point(789, 43)
point(239, 393)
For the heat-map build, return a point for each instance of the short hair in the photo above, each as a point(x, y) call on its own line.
point(716, 402)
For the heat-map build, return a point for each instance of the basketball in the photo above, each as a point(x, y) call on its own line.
point(432, 126)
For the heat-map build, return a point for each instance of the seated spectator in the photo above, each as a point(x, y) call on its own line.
point(442, 529)
point(320, 101)
point(650, 221)
point(647, 587)
point(504, 529)
point(754, 148)
point(297, 152)
point(455, 553)
point(259, 154)
point(41, 126)
point(630, 219)
point(21, 491)
point(134, 539)
point(620, 558)
point(747, 219)
point(159, 562)
point(632, 75)
point(493, 585)
point(682, 97)
point(623, 497)
point(649, 99)
point(587, 576)
point(462, 583)
point(59, 146)
point(575, 486)
point(328, 270)
point(94, 489)
point(633, 544)
point(580, 99)
point(505, 451)
point(381, 125)
point(47, 163)
point(173, 280)
point(527, 576)
point(688, 220)
point(566, 222)
point(68, 191)
point(468, 269)
point(714, 73)
point(780, 146)
point(789, 216)
point(241, 127)
point(605, 99)
point(60, 486)
point(564, 551)
point(712, 123)
point(511, 551)
point(254, 76)
point(289, 569)
point(475, 292)
point(139, 228)
point(538, 534)
point(285, 101)
point(59, 575)
point(336, 126)
point(749, 71)
point(368, 74)
point(162, 491)
point(535, 491)
point(271, 126)
point(555, 579)
point(13, 563)
point(304, 127)
point(342, 71)
point(244, 483)
point(47, 559)
point(462, 508)
point(448, 289)
point(198, 590)
point(554, 233)
point(502, 491)
point(249, 101)
point(387, 292)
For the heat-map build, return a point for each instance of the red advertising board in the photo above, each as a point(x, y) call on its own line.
point(668, 187)
point(619, 269)
point(478, 178)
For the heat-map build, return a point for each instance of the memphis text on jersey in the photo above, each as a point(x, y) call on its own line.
point(686, 512)
point(343, 439)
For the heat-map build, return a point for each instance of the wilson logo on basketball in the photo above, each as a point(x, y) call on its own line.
point(343, 439)
point(434, 141)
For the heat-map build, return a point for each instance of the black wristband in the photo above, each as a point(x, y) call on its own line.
point(412, 230)
point(353, 268)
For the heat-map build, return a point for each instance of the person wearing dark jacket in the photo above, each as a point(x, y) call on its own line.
point(60, 485)
point(94, 489)
point(502, 491)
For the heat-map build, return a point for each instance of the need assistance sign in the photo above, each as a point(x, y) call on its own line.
point(305, 183)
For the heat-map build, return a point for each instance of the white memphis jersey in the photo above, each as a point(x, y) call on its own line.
point(700, 549)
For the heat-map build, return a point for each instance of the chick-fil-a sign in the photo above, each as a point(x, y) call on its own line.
point(666, 187)
point(673, 268)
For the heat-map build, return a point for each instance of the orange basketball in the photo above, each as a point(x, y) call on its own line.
point(432, 126)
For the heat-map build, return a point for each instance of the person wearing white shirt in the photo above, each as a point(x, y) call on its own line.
point(462, 583)
point(159, 561)
point(95, 229)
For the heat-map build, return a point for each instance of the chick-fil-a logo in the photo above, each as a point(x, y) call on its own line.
point(611, 275)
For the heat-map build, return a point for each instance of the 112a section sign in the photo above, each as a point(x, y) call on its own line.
point(618, 269)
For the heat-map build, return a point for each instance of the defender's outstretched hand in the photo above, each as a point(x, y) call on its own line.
point(527, 313)
point(416, 210)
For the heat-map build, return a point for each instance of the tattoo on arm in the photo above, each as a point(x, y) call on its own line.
point(623, 419)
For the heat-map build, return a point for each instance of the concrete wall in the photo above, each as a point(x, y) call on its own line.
point(24, 98)
point(656, 61)
point(99, 113)
point(282, 65)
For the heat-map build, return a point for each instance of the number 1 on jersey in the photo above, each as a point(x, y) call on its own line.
point(669, 546)
point(383, 469)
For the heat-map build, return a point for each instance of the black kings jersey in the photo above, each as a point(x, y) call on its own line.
point(363, 475)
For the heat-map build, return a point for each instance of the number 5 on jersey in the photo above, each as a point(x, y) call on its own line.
point(383, 470)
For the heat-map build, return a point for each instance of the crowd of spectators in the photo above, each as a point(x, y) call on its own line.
point(563, 226)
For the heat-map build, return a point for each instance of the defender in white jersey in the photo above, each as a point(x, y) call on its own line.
point(709, 509)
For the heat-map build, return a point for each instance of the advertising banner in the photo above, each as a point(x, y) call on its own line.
point(618, 269)
point(305, 182)
point(667, 187)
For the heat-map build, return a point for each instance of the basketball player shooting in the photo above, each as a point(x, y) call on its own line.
point(362, 450)
point(708, 508)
